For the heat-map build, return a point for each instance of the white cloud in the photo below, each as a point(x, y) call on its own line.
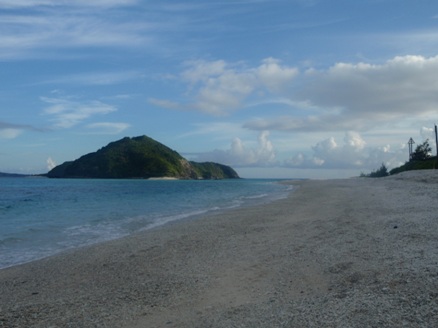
point(401, 86)
point(201, 71)
point(427, 133)
point(330, 153)
point(275, 77)
point(12, 131)
point(66, 113)
point(218, 87)
point(354, 141)
point(265, 153)
point(50, 163)
point(224, 92)
point(31, 32)
point(108, 127)
point(9, 133)
point(239, 154)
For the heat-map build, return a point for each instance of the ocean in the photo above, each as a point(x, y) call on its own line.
point(40, 217)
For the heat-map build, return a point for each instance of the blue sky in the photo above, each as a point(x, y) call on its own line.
point(282, 89)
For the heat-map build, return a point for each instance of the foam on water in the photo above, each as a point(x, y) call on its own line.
point(41, 217)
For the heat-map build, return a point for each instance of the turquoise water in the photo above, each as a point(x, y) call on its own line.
point(41, 217)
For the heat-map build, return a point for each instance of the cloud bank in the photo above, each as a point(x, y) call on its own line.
point(351, 153)
point(345, 96)
point(361, 96)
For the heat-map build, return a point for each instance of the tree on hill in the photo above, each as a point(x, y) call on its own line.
point(422, 152)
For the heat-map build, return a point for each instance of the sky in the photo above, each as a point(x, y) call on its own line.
point(274, 88)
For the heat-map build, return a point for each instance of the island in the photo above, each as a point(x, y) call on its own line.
point(139, 157)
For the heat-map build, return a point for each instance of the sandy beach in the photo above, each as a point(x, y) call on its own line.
point(354, 252)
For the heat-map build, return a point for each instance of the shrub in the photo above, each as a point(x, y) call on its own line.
point(381, 172)
point(422, 152)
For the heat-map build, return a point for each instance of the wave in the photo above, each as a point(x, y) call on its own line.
point(256, 196)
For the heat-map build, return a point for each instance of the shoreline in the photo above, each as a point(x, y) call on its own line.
point(352, 252)
point(166, 219)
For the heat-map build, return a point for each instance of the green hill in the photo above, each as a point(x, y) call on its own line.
point(139, 157)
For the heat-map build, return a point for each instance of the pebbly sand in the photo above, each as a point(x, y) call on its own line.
point(336, 253)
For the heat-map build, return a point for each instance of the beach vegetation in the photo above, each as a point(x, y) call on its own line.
point(421, 159)
point(422, 152)
point(381, 172)
point(429, 163)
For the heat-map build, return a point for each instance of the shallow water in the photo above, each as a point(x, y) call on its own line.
point(40, 217)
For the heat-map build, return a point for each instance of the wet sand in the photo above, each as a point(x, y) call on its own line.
point(336, 253)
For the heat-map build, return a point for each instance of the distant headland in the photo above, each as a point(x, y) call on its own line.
point(12, 175)
point(139, 157)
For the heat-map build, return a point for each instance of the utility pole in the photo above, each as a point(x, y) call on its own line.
point(436, 143)
point(436, 140)
point(410, 143)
